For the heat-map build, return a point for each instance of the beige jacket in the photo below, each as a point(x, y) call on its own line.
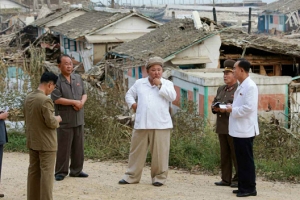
point(40, 122)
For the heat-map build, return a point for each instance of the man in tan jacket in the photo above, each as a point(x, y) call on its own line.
point(41, 136)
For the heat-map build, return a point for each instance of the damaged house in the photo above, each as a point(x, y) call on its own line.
point(56, 18)
point(8, 9)
point(194, 56)
point(90, 36)
point(279, 16)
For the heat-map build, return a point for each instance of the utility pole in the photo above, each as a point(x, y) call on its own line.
point(112, 3)
point(214, 12)
point(49, 4)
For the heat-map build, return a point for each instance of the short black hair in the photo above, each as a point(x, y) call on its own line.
point(48, 77)
point(61, 56)
point(245, 64)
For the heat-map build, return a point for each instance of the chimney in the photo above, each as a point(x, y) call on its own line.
point(197, 21)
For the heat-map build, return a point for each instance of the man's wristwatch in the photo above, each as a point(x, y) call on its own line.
point(159, 86)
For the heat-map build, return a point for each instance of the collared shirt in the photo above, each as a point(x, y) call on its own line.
point(153, 104)
point(73, 90)
point(243, 121)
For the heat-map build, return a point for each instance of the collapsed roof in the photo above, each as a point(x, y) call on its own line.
point(282, 6)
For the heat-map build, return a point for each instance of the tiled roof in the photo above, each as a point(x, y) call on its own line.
point(241, 39)
point(164, 40)
point(283, 6)
point(20, 3)
point(87, 23)
point(51, 17)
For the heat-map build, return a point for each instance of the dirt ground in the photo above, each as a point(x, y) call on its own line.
point(103, 184)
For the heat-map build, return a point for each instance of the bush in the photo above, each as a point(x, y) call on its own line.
point(16, 142)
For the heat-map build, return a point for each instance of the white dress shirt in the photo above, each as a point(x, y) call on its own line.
point(243, 121)
point(153, 104)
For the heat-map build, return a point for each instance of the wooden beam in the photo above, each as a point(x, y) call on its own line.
point(262, 70)
point(277, 70)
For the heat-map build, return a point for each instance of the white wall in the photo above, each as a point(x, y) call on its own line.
point(210, 48)
point(4, 4)
point(130, 25)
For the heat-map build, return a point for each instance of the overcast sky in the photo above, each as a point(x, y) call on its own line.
point(155, 2)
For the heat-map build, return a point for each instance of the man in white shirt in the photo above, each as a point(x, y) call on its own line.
point(152, 124)
point(243, 127)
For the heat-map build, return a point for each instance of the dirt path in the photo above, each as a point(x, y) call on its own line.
point(103, 184)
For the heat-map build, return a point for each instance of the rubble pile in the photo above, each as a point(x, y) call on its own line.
point(95, 76)
point(50, 43)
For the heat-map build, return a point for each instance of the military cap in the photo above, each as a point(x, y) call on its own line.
point(228, 65)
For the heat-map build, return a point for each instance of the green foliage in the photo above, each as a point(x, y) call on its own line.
point(193, 142)
point(105, 137)
point(16, 142)
point(276, 152)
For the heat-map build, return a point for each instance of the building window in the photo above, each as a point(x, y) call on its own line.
point(72, 44)
point(133, 72)
point(281, 20)
point(271, 19)
point(140, 72)
point(66, 43)
point(183, 98)
point(195, 93)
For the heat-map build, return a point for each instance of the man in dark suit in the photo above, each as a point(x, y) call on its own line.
point(225, 96)
point(69, 98)
point(3, 138)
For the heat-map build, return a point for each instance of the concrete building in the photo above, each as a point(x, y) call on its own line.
point(279, 16)
point(200, 86)
point(90, 36)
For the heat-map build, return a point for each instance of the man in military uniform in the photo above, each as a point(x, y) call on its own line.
point(225, 96)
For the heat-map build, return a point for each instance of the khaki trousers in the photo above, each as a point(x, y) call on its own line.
point(40, 175)
point(159, 142)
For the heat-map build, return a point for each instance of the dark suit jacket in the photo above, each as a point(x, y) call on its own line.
point(3, 133)
point(224, 96)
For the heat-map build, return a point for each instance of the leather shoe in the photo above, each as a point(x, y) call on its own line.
point(81, 175)
point(246, 194)
point(59, 177)
point(234, 185)
point(235, 191)
point(123, 182)
point(1, 195)
point(221, 183)
point(157, 184)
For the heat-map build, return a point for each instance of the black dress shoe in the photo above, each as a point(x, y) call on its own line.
point(221, 183)
point(81, 175)
point(122, 182)
point(157, 184)
point(1, 195)
point(59, 177)
point(246, 194)
point(235, 191)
